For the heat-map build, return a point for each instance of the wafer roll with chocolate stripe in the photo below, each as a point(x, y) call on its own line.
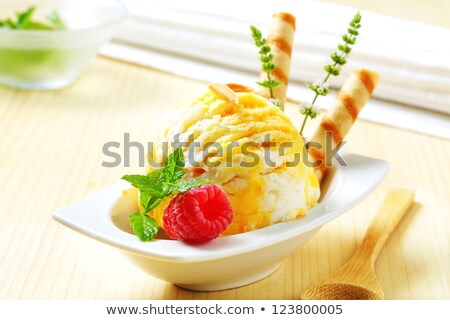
point(342, 114)
point(280, 39)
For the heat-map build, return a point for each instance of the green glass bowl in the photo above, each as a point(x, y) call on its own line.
point(42, 59)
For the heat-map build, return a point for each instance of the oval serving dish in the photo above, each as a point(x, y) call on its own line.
point(225, 262)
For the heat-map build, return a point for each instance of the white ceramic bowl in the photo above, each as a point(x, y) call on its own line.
point(42, 59)
point(225, 262)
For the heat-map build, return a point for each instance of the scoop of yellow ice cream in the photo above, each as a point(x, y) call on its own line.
point(251, 150)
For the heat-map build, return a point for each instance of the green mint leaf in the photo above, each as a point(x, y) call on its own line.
point(156, 174)
point(10, 23)
point(184, 186)
point(144, 226)
point(56, 20)
point(24, 18)
point(34, 25)
point(145, 184)
point(148, 201)
point(154, 187)
point(173, 169)
point(144, 199)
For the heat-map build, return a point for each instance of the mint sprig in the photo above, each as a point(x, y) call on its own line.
point(266, 58)
point(154, 187)
point(146, 185)
point(338, 58)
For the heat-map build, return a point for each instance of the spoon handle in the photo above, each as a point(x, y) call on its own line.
point(395, 205)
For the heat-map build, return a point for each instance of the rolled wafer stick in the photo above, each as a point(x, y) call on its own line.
point(280, 39)
point(340, 117)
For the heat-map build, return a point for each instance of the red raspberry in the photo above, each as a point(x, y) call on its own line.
point(198, 215)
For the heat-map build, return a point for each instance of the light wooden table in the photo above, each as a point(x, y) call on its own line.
point(51, 154)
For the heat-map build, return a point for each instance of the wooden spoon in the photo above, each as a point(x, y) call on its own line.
point(356, 279)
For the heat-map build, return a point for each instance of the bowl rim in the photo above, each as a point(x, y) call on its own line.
point(102, 228)
point(104, 25)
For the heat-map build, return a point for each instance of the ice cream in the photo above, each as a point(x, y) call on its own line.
point(250, 148)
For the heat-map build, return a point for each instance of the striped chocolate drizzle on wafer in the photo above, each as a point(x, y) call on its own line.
point(280, 75)
point(349, 104)
point(318, 157)
point(330, 126)
point(286, 17)
point(281, 44)
point(367, 79)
